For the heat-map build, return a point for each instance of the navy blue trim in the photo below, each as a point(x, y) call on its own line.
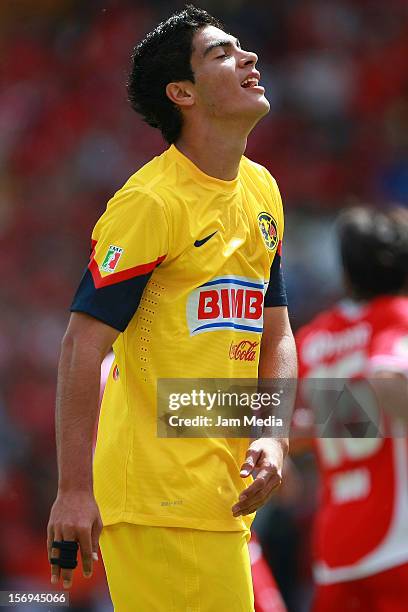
point(276, 293)
point(115, 305)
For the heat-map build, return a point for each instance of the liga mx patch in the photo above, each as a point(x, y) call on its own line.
point(111, 260)
point(269, 230)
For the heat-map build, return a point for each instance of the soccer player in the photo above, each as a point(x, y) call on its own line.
point(183, 262)
point(361, 535)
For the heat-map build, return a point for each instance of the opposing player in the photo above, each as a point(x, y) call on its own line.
point(183, 262)
point(361, 542)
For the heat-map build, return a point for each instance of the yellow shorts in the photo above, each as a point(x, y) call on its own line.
point(170, 569)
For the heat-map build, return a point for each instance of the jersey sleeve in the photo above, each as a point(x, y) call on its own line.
point(128, 242)
point(276, 292)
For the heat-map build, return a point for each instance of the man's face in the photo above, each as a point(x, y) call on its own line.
point(226, 80)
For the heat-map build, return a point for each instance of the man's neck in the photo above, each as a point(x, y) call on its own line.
point(213, 151)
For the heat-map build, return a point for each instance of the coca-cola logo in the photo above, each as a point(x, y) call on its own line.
point(243, 351)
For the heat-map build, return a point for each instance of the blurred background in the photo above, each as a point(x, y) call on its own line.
point(336, 74)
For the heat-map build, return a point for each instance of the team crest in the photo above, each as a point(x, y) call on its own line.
point(269, 230)
point(111, 260)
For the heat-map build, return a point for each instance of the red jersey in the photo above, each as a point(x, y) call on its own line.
point(362, 523)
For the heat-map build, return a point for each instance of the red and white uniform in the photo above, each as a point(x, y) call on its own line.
point(362, 523)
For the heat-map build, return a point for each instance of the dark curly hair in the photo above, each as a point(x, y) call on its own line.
point(162, 57)
point(374, 250)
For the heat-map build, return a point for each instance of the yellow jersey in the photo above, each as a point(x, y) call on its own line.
point(182, 264)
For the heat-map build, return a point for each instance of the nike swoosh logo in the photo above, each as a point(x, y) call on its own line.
point(199, 243)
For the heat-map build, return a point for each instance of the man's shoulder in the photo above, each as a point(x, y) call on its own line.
point(148, 176)
point(142, 189)
point(253, 173)
point(249, 166)
point(135, 202)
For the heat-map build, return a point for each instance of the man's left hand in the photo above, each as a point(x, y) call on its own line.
point(264, 460)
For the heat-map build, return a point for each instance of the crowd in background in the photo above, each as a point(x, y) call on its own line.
point(336, 74)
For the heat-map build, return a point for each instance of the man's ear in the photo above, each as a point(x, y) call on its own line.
point(181, 93)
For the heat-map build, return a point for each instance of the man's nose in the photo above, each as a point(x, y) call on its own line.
point(249, 58)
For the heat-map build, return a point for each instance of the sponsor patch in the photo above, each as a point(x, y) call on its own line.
point(111, 260)
point(228, 302)
point(269, 230)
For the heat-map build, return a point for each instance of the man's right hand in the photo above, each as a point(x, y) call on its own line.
point(74, 516)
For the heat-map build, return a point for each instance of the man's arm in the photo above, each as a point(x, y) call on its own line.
point(75, 515)
point(266, 455)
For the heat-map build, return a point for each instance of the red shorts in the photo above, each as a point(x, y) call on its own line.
point(383, 592)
